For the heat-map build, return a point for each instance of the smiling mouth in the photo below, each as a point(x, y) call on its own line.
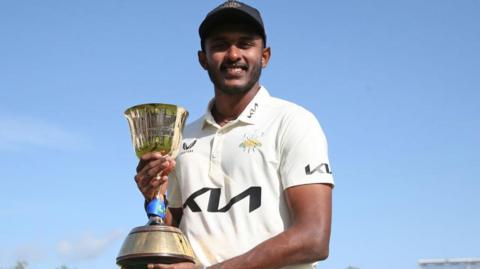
point(234, 70)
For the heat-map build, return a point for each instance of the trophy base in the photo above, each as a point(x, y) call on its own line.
point(141, 262)
point(154, 244)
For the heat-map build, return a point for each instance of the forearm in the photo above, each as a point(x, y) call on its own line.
point(173, 216)
point(296, 245)
point(169, 220)
point(306, 241)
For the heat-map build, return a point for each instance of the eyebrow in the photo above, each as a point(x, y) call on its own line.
point(241, 38)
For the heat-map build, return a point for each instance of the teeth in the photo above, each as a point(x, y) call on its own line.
point(235, 69)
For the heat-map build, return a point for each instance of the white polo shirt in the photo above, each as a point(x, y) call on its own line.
point(230, 180)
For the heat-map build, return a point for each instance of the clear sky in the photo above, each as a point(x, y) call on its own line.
point(395, 85)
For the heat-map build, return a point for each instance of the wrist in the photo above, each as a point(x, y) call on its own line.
point(163, 197)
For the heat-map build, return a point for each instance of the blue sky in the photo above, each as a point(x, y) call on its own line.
point(395, 85)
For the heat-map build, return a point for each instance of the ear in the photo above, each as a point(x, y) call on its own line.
point(266, 53)
point(202, 59)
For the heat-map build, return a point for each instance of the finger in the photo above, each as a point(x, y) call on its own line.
point(151, 192)
point(156, 175)
point(148, 191)
point(155, 187)
point(153, 154)
point(182, 265)
point(151, 169)
point(167, 168)
point(156, 183)
point(145, 183)
point(159, 266)
point(146, 158)
point(155, 165)
point(156, 160)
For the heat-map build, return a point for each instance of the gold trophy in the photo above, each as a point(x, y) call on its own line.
point(155, 127)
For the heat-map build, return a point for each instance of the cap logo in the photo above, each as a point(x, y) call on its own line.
point(231, 4)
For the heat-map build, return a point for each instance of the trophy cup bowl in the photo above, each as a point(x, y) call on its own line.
point(155, 127)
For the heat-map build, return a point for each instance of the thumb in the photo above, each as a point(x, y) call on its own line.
point(158, 266)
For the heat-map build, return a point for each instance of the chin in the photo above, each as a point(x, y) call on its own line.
point(234, 89)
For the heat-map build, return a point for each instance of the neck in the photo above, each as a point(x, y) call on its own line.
point(228, 107)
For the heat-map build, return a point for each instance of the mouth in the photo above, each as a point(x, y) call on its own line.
point(233, 70)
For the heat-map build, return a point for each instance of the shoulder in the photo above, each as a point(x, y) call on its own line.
point(296, 124)
point(291, 113)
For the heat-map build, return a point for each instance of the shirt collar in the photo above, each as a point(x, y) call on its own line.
point(248, 115)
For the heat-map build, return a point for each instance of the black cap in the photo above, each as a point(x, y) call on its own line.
point(232, 11)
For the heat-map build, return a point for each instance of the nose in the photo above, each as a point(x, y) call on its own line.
point(233, 53)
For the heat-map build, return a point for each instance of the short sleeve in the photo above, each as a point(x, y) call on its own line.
point(303, 150)
point(174, 195)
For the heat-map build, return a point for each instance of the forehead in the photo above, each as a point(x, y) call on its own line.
point(226, 31)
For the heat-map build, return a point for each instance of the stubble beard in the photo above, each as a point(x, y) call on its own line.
point(235, 90)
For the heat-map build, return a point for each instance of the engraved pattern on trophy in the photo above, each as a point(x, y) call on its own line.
point(153, 127)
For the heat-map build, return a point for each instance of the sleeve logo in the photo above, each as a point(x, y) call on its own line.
point(322, 168)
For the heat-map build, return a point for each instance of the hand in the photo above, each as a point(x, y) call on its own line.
point(152, 174)
point(183, 265)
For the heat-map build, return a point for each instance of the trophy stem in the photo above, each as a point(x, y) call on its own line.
point(156, 209)
point(155, 220)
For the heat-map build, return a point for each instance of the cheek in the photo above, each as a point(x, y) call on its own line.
point(255, 57)
point(215, 59)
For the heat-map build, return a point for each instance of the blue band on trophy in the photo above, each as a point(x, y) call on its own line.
point(156, 207)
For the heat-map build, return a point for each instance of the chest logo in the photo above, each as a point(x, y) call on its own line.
point(189, 146)
point(251, 142)
point(254, 194)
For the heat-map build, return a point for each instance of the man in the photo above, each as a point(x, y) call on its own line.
point(252, 185)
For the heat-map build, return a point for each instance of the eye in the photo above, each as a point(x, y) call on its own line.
point(218, 45)
point(245, 44)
